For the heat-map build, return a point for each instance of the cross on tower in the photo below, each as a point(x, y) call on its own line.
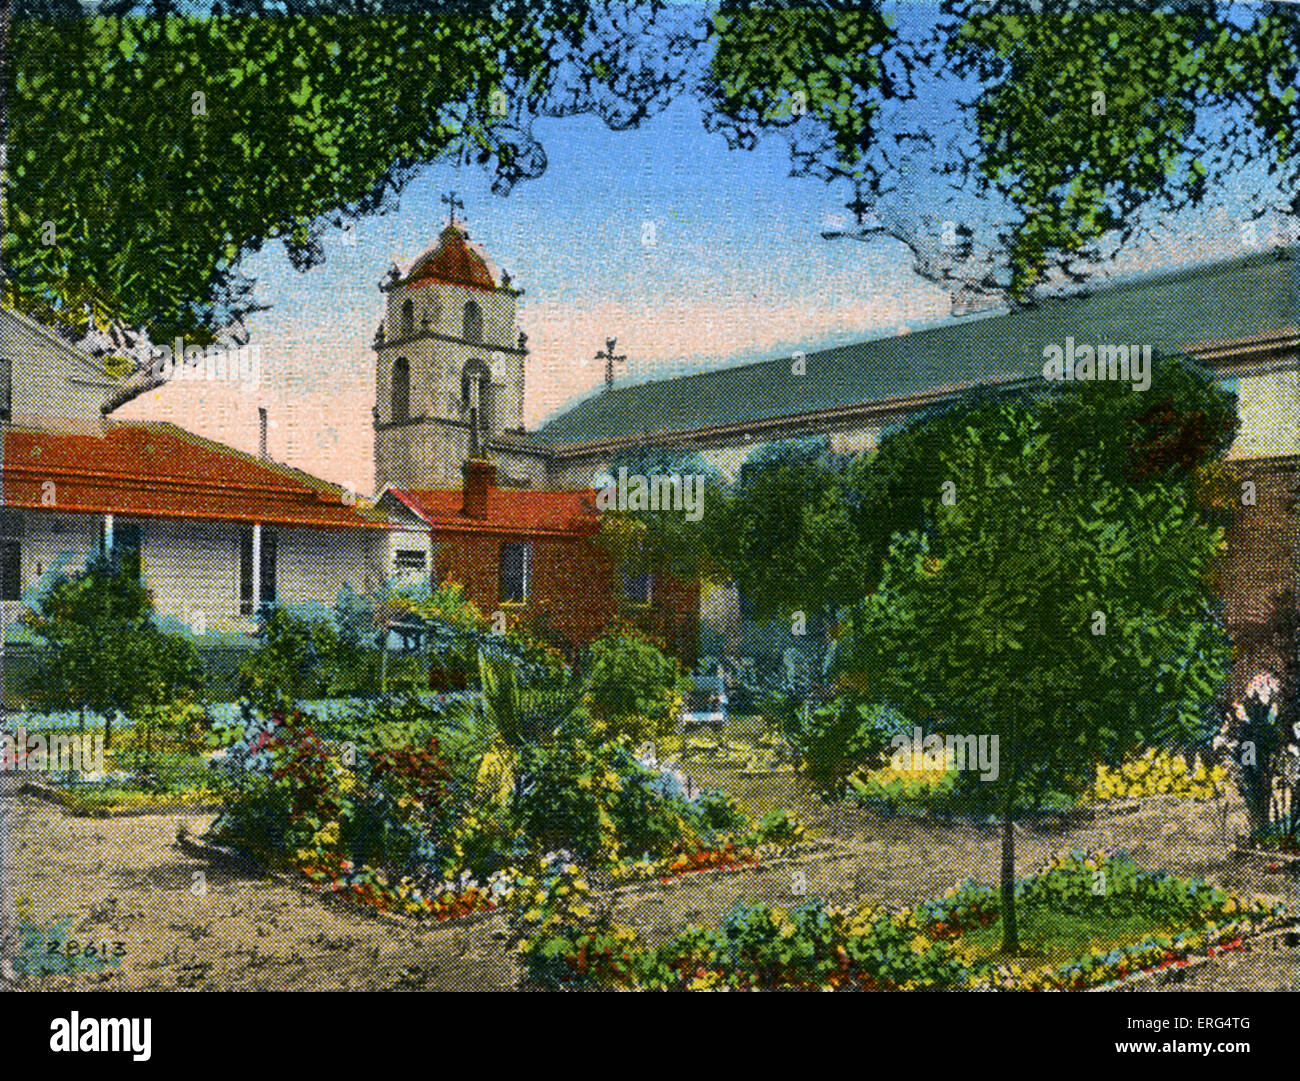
point(452, 203)
point(607, 355)
point(859, 206)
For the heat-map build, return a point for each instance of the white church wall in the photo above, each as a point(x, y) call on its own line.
point(856, 440)
point(192, 569)
point(1269, 408)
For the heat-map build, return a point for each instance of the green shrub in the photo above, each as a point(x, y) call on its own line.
point(812, 947)
point(838, 737)
point(565, 793)
point(718, 813)
point(561, 938)
point(296, 799)
point(779, 828)
point(633, 686)
point(1089, 882)
point(294, 659)
point(646, 822)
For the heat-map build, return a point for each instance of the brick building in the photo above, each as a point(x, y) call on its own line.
point(536, 556)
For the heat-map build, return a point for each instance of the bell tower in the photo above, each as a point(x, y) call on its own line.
point(449, 362)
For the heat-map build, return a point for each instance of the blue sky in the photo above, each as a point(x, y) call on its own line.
point(738, 272)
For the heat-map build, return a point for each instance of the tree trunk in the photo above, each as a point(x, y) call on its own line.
point(108, 728)
point(1010, 932)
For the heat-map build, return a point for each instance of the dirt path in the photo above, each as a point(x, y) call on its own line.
point(124, 880)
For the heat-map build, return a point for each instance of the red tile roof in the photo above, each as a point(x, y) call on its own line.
point(509, 510)
point(453, 260)
point(156, 470)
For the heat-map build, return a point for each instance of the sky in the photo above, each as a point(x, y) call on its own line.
point(738, 271)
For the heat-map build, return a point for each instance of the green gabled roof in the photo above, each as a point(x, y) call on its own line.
point(1248, 297)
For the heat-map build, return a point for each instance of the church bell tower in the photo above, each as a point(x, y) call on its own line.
point(449, 362)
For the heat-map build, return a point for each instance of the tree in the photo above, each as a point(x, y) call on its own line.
point(1175, 430)
point(773, 64)
point(1090, 114)
point(297, 657)
point(1012, 144)
point(101, 650)
point(151, 147)
point(632, 685)
point(1063, 613)
point(652, 541)
point(787, 538)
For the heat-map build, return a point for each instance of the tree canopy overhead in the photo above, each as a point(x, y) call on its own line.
point(151, 146)
point(149, 153)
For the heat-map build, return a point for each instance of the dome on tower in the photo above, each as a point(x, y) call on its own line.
point(457, 260)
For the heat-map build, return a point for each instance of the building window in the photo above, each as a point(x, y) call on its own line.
point(474, 379)
point(125, 550)
point(401, 389)
point(267, 572)
point(516, 571)
point(409, 561)
point(269, 575)
point(473, 331)
point(246, 572)
point(408, 316)
point(11, 570)
point(637, 588)
point(11, 556)
point(6, 389)
point(476, 394)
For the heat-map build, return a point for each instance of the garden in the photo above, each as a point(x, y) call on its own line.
point(1092, 919)
point(402, 758)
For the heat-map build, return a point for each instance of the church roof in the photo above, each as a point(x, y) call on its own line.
point(456, 260)
point(1257, 296)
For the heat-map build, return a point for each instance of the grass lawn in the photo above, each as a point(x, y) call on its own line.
point(113, 799)
point(1048, 937)
point(174, 774)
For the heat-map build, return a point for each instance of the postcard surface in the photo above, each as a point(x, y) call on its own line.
point(616, 495)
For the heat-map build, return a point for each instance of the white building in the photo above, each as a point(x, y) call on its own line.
point(215, 532)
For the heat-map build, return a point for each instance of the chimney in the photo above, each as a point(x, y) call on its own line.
point(480, 475)
point(261, 432)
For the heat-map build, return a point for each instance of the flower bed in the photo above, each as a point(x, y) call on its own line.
point(777, 833)
point(447, 900)
point(1157, 772)
point(392, 827)
point(689, 860)
point(1156, 953)
point(894, 788)
point(565, 942)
